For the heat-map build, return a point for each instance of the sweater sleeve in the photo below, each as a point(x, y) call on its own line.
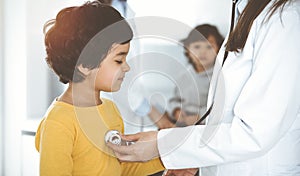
point(55, 144)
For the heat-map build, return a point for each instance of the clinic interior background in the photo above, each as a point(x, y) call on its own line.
point(27, 86)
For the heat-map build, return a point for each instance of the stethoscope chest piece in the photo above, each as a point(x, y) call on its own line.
point(113, 136)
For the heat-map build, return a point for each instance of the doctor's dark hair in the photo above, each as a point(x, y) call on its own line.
point(237, 38)
point(73, 28)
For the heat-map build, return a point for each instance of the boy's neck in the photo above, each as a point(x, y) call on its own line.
point(81, 96)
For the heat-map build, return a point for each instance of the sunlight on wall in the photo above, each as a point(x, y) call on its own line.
point(24, 72)
point(14, 83)
point(40, 78)
point(1, 88)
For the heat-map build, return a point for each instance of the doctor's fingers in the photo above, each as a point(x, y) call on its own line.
point(120, 149)
point(131, 137)
point(124, 153)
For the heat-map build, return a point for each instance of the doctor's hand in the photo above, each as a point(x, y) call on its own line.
point(180, 172)
point(144, 148)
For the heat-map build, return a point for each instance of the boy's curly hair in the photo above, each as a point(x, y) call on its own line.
point(73, 29)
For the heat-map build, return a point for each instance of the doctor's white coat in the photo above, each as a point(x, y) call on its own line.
point(254, 127)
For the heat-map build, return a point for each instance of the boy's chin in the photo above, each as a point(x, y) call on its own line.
point(115, 89)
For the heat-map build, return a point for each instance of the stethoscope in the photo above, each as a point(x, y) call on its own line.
point(224, 59)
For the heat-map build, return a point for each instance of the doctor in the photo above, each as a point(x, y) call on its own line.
point(254, 125)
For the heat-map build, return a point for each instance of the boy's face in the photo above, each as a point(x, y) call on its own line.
point(203, 52)
point(109, 76)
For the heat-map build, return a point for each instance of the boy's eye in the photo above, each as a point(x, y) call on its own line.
point(119, 62)
point(209, 47)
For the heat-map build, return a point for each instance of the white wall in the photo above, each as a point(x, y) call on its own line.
point(1, 87)
point(190, 12)
point(26, 77)
point(14, 83)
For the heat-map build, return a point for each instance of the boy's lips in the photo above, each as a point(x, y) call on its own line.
point(122, 78)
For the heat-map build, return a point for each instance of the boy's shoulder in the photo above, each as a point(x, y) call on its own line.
point(60, 112)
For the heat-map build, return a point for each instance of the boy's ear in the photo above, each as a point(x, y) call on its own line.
point(84, 70)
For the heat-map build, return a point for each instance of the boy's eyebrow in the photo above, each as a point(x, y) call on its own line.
point(122, 53)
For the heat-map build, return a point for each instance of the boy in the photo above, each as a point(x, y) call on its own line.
point(87, 48)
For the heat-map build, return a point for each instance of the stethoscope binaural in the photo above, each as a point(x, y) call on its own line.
point(224, 59)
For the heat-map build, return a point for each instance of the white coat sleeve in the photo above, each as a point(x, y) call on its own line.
point(264, 111)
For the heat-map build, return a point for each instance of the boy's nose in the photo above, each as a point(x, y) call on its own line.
point(126, 67)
